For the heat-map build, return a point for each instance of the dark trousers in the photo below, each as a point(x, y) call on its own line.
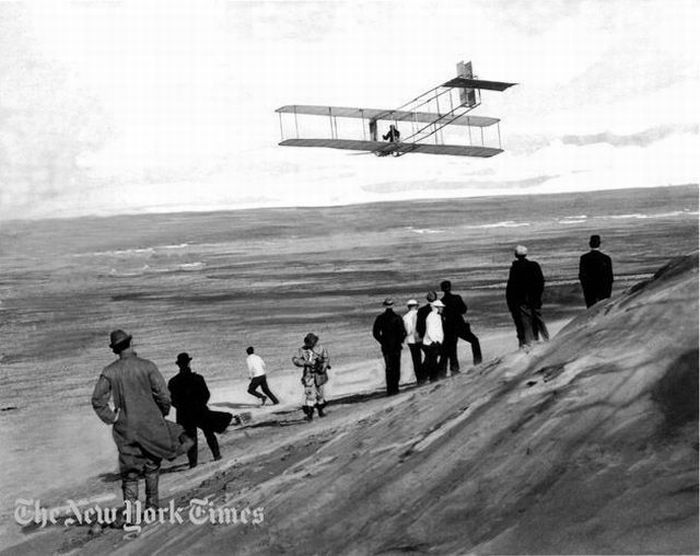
point(594, 295)
point(539, 328)
point(392, 360)
point(529, 325)
point(431, 363)
point(449, 354)
point(468, 336)
point(261, 381)
point(416, 357)
point(191, 431)
point(449, 348)
point(134, 463)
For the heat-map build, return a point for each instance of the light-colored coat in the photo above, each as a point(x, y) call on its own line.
point(434, 333)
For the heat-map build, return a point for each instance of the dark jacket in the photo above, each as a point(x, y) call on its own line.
point(596, 274)
point(138, 391)
point(453, 314)
point(389, 331)
point(525, 284)
point(190, 395)
point(423, 313)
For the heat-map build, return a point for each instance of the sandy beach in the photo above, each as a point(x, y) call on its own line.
point(355, 393)
point(237, 279)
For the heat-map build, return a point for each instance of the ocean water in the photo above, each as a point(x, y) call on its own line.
point(213, 283)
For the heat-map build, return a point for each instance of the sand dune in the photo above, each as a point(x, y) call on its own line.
point(587, 444)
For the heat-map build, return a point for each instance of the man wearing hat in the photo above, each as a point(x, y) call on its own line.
point(456, 327)
point(413, 340)
point(140, 431)
point(524, 297)
point(389, 331)
point(433, 339)
point(595, 273)
point(190, 396)
point(315, 361)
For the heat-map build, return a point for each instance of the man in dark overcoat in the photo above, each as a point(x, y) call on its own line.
point(595, 273)
point(524, 297)
point(390, 332)
point(190, 396)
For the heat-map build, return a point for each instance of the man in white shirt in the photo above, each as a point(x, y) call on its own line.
point(257, 375)
point(413, 340)
point(433, 339)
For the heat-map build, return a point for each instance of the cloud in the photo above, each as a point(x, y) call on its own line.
point(467, 184)
point(641, 139)
point(172, 103)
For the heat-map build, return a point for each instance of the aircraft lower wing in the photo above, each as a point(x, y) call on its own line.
point(388, 148)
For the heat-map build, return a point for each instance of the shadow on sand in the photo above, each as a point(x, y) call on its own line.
point(231, 405)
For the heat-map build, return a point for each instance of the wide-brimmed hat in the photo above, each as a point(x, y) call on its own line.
point(388, 302)
point(183, 358)
point(431, 296)
point(437, 303)
point(117, 337)
point(310, 338)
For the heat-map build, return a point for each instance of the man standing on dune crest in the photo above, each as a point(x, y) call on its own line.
point(140, 431)
point(524, 297)
point(595, 273)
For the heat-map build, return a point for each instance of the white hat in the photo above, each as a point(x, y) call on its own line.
point(437, 303)
point(520, 250)
point(411, 302)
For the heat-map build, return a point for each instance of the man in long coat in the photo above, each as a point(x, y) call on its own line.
point(140, 431)
point(524, 297)
point(390, 332)
point(595, 273)
point(190, 396)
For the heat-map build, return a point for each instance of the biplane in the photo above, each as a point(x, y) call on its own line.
point(418, 126)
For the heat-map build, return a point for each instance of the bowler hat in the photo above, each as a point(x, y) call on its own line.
point(388, 302)
point(117, 337)
point(183, 358)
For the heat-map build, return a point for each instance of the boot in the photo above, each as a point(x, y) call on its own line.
point(152, 489)
point(309, 412)
point(130, 490)
point(320, 407)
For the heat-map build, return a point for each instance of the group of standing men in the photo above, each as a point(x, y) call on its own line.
point(526, 285)
point(431, 333)
point(141, 400)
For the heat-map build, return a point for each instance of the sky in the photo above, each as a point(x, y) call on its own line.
point(111, 107)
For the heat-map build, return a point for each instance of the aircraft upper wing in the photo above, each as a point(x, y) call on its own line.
point(379, 114)
point(463, 82)
point(379, 147)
